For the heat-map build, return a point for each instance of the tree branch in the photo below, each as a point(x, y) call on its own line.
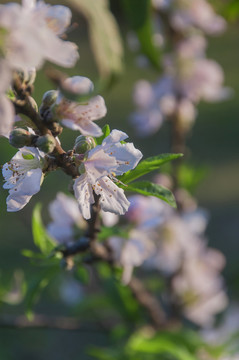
point(98, 251)
point(148, 301)
point(61, 158)
point(48, 322)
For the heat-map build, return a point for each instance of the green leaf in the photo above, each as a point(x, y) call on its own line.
point(138, 13)
point(171, 345)
point(149, 189)
point(189, 177)
point(119, 295)
point(40, 236)
point(106, 132)
point(32, 255)
point(35, 286)
point(158, 344)
point(82, 274)
point(106, 232)
point(104, 354)
point(146, 166)
point(182, 345)
point(231, 10)
point(104, 36)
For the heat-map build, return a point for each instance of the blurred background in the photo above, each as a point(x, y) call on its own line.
point(213, 144)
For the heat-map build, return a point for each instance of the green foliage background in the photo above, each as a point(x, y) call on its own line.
point(213, 144)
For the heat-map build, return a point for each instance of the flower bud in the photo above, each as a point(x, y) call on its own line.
point(84, 144)
point(27, 77)
point(46, 143)
point(33, 103)
point(20, 137)
point(48, 100)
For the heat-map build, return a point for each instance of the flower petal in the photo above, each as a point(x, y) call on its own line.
point(127, 157)
point(6, 116)
point(5, 75)
point(84, 195)
point(99, 164)
point(84, 126)
point(64, 210)
point(63, 53)
point(28, 4)
point(29, 185)
point(58, 18)
point(78, 85)
point(79, 116)
point(16, 202)
point(112, 198)
point(114, 137)
point(60, 232)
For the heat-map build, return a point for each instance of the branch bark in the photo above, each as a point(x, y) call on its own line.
point(61, 158)
point(98, 251)
point(48, 322)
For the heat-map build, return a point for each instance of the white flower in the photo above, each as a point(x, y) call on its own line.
point(198, 286)
point(6, 107)
point(147, 212)
point(66, 215)
point(161, 4)
point(30, 35)
point(80, 116)
point(174, 243)
point(102, 164)
point(109, 219)
point(23, 177)
point(200, 14)
point(226, 329)
point(203, 80)
point(131, 252)
point(6, 116)
point(71, 292)
point(149, 116)
point(67, 221)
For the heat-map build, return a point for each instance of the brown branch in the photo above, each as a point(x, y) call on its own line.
point(61, 158)
point(48, 322)
point(149, 302)
point(94, 221)
point(98, 251)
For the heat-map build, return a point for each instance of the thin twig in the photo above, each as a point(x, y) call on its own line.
point(62, 159)
point(98, 251)
point(148, 301)
point(48, 322)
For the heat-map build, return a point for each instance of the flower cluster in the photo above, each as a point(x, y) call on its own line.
point(67, 221)
point(76, 115)
point(23, 177)
point(188, 76)
point(173, 243)
point(30, 34)
point(186, 16)
point(159, 240)
point(154, 237)
point(98, 171)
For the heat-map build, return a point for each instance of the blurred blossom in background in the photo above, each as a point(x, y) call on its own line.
point(192, 252)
